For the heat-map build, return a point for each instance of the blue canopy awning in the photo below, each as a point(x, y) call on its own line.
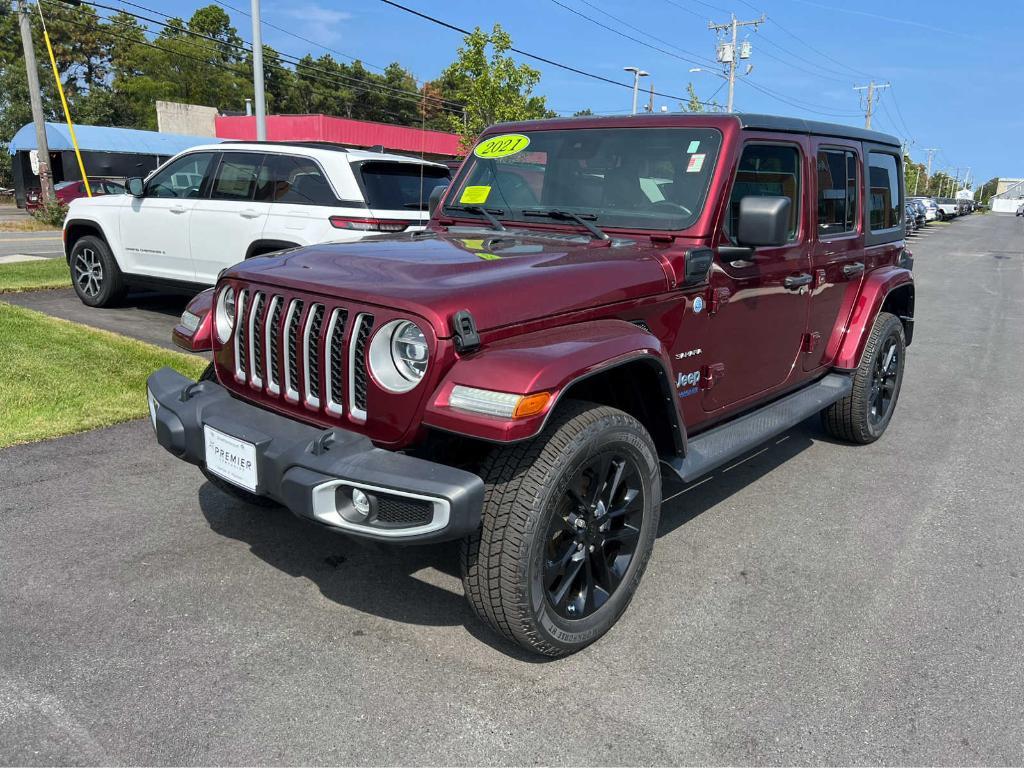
point(98, 138)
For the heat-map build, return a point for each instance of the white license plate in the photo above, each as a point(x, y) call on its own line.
point(231, 458)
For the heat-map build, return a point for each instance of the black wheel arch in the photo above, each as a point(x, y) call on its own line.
point(900, 302)
point(263, 247)
point(76, 229)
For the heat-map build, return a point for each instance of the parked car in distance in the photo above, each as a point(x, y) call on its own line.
point(910, 218)
point(948, 208)
point(588, 308)
point(1020, 210)
point(931, 208)
point(66, 191)
point(920, 213)
point(212, 206)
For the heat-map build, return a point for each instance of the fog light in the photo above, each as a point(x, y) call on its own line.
point(361, 502)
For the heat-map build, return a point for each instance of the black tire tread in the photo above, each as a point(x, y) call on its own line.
point(491, 557)
point(846, 419)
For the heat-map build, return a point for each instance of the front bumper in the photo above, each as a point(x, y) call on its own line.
point(312, 471)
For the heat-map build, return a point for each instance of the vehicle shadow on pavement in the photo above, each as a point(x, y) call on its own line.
point(420, 585)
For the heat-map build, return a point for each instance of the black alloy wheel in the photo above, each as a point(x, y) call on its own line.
point(884, 380)
point(593, 537)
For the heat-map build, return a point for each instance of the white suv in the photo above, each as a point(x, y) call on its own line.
point(213, 206)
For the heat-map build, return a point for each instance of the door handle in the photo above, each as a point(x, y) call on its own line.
point(853, 269)
point(177, 209)
point(249, 213)
point(797, 281)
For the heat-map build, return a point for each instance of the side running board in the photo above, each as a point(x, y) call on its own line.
point(724, 443)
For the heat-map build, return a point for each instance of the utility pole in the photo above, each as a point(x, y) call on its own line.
point(931, 154)
point(728, 53)
point(637, 74)
point(871, 87)
point(36, 100)
point(257, 73)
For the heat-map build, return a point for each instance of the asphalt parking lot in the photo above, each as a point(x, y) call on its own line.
point(814, 603)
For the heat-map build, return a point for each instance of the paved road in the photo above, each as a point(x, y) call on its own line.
point(46, 244)
point(817, 603)
point(142, 315)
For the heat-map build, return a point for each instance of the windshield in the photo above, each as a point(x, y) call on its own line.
point(633, 178)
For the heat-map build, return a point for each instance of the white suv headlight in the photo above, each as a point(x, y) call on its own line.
point(398, 355)
point(225, 318)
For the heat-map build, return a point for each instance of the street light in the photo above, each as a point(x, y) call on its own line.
point(637, 74)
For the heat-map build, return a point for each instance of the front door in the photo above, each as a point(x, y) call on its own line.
point(154, 227)
point(759, 302)
point(837, 259)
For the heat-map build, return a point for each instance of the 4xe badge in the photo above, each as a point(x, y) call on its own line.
point(698, 305)
point(688, 383)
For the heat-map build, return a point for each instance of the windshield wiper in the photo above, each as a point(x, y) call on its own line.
point(581, 219)
point(487, 214)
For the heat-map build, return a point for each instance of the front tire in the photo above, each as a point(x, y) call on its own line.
point(569, 522)
point(94, 273)
point(863, 415)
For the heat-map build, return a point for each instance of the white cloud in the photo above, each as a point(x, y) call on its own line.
point(322, 22)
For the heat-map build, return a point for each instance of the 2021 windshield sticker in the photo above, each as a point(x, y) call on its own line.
point(475, 195)
point(501, 146)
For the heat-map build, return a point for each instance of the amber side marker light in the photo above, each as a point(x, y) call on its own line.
point(531, 405)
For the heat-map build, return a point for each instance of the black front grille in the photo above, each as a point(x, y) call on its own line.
point(359, 363)
point(257, 334)
point(275, 352)
point(400, 512)
point(242, 324)
point(336, 356)
point(292, 344)
point(315, 324)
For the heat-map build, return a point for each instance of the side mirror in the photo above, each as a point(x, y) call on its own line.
point(763, 221)
point(135, 186)
point(435, 198)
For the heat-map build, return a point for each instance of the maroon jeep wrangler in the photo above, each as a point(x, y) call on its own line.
point(595, 303)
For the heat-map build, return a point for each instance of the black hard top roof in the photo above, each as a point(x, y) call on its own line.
point(799, 125)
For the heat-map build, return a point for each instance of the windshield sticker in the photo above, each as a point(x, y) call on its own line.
point(694, 146)
point(475, 195)
point(695, 164)
point(502, 146)
point(489, 256)
point(473, 245)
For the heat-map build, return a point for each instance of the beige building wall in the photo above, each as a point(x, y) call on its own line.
point(186, 119)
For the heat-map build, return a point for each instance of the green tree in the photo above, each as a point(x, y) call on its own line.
point(582, 113)
point(492, 86)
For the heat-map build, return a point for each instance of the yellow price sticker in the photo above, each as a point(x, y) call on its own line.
point(501, 146)
point(474, 245)
point(475, 195)
point(489, 256)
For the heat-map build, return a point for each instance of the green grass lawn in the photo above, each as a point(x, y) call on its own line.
point(58, 378)
point(33, 275)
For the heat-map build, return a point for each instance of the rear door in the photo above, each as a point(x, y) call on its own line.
point(837, 257)
point(302, 201)
point(399, 191)
point(154, 227)
point(759, 302)
point(229, 219)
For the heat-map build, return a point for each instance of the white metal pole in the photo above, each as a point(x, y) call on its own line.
point(257, 73)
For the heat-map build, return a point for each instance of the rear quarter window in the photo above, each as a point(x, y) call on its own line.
point(884, 209)
point(398, 186)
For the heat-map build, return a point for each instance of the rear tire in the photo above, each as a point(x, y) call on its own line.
point(569, 522)
point(863, 415)
point(94, 273)
point(255, 500)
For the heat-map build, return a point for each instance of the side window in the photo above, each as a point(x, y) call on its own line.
point(293, 180)
point(767, 170)
point(883, 192)
point(182, 178)
point(236, 176)
point(837, 192)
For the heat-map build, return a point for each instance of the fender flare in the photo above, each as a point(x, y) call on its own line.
point(877, 289)
point(88, 223)
point(553, 361)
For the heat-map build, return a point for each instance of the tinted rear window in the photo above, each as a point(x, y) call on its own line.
point(397, 186)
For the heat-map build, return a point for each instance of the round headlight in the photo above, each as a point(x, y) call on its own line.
point(398, 355)
point(225, 318)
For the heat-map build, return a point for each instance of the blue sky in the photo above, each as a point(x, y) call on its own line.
point(945, 59)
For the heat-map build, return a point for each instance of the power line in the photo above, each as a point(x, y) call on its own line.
point(288, 58)
point(688, 58)
point(521, 52)
point(794, 103)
